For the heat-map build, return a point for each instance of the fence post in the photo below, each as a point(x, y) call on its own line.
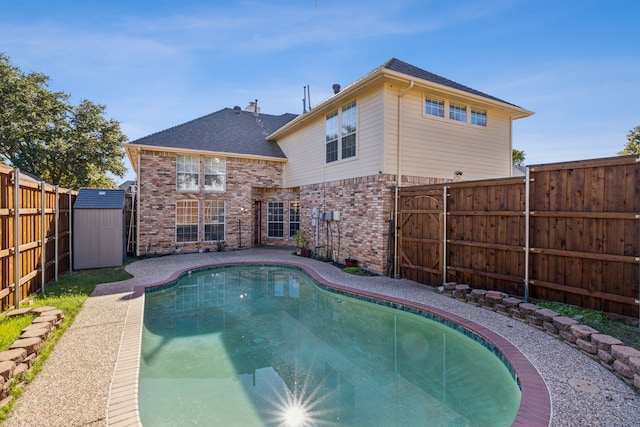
point(16, 238)
point(43, 224)
point(57, 232)
point(444, 234)
point(527, 218)
point(70, 235)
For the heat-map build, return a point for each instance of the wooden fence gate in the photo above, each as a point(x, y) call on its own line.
point(566, 232)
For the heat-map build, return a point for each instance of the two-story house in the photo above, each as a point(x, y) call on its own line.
point(248, 178)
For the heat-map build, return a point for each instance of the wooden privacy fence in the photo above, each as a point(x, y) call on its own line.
point(565, 232)
point(35, 235)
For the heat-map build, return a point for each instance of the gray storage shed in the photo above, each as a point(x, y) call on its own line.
point(99, 229)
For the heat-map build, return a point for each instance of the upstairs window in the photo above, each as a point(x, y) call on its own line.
point(341, 133)
point(188, 172)
point(478, 117)
point(332, 136)
point(434, 107)
point(215, 171)
point(458, 112)
point(349, 120)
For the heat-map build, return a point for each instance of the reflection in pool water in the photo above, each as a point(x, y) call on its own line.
point(264, 345)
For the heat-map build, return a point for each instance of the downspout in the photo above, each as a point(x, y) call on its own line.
point(138, 206)
point(398, 180)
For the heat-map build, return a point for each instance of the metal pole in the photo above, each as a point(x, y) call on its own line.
point(444, 234)
point(16, 237)
point(527, 219)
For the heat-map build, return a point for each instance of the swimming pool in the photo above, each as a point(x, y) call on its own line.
point(265, 345)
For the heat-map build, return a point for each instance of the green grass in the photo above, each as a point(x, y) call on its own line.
point(629, 335)
point(67, 294)
point(10, 328)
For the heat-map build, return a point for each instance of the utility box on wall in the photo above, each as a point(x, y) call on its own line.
point(99, 229)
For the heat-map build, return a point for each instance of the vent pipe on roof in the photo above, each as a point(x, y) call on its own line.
point(237, 109)
point(336, 88)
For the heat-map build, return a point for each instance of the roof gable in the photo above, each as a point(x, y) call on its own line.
point(230, 130)
point(402, 67)
point(93, 198)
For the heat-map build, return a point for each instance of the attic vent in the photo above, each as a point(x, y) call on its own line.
point(237, 109)
point(336, 88)
point(101, 193)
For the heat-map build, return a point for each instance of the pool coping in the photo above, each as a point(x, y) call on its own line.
point(123, 410)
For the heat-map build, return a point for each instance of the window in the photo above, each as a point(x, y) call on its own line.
point(332, 137)
point(214, 220)
point(458, 112)
point(340, 131)
point(188, 172)
point(349, 119)
point(478, 117)
point(294, 218)
point(434, 107)
point(275, 219)
point(215, 170)
point(186, 221)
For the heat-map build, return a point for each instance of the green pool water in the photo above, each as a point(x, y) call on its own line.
point(266, 346)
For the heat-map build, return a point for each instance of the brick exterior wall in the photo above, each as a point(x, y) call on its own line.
point(364, 203)
point(247, 180)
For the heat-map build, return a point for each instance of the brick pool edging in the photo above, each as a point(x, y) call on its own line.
point(123, 410)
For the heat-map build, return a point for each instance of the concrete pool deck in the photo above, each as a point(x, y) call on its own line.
point(74, 386)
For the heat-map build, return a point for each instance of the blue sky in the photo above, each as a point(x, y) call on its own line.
point(156, 64)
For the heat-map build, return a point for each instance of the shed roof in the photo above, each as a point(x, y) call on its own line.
point(230, 130)
point(95, 198)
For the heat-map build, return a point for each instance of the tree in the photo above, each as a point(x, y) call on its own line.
point(633, 143)
point(517, 157)
point(43, 134)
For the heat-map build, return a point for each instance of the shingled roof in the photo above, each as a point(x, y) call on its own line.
point(94, 198)
point(402, 67)
point(230, 130)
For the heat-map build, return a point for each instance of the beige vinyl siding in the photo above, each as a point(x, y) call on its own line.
point(305, 148)
point(437, 147)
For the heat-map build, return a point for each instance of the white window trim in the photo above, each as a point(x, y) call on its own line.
point(197, 224)
point(223, 174)
point(190, 173)
point(447, 104)
point(224, 223)
point(275, 222)
point(338, 111)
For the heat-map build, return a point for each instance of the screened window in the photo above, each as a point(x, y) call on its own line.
point(349, 123)
point(215, 171)
point(188, 172)
point(275, 219)
point(186, 221)
point(294, 218)
point(434, 107)
point(458, 112)
point(332, 137)
point(478, 117)
point(214, 220)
